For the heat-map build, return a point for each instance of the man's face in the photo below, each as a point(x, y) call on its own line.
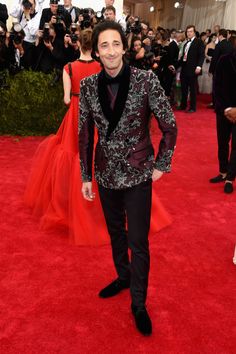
point(137, 46)
point(109, 2)
point(190, 33)
point(216, 29)
point(67, 3)
point(150, 34)
point(109, 15)
point(173, 35)
point(110, 50)
point(54, 8)
point(179, 37)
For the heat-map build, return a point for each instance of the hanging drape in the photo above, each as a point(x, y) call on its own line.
point(203, 14)
point(229, 20)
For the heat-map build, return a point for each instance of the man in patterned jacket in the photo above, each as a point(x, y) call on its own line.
point(119, 101)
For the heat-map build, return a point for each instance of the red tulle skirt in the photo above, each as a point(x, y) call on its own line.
point(53, 190)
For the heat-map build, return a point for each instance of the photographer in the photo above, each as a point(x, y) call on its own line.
point(28, 14)
point(4, 54)
point(11, 50)
point(138, 57)
point(57, 16)
point(3, 14)
point(86, 18)
point(71, 44)
point(50, 51)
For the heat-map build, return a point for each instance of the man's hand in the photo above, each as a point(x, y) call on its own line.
point(48, 45)
point(87, 191)
point(156, 175)
point(230, 113)
point(198, 71)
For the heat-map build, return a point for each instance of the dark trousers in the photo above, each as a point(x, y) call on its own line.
point(134, 206)
point(188, 83)
point(29, 55)
point(166, 81)
point(226, 131)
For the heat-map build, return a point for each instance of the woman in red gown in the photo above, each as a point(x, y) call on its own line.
point(54, 187)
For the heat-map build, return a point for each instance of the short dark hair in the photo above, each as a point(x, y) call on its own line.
point(110, 8)
point(223, 32)
point(104, 26)
point(191, 26)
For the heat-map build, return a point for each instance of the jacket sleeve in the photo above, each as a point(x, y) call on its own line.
point(86, 136)
point(201, 53)
point(162, 111)
point(215, 58)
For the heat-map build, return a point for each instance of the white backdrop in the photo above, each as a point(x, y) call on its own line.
point(94, 4)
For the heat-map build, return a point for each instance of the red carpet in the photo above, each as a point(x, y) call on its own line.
point(48, 293)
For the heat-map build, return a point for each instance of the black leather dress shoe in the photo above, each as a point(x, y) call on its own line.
point(114, 288)
point(191, 111)
point(217, 179)
point(228, 188)
point(142, 320)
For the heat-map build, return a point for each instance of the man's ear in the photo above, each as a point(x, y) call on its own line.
point(97, 54)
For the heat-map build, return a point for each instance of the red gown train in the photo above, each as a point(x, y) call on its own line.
point(53, 190)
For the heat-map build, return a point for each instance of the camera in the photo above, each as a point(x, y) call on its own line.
point(136, 27)
point(26, 4)
point(73, 36)
point(46, 33)
point(99, 16)
point(86, 22)
point(59, 16)
point(17, 34)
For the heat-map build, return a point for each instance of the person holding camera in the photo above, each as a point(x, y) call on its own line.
point(57, 16)
point(56, 164)
point(50, 51)
point(4, 54)
point(28, 14)
point(11, 50)
point(71, 44)
point(138, 57)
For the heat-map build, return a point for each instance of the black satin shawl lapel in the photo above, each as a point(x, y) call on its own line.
point(113, 116)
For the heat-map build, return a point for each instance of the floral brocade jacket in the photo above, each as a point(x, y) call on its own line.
point(124, 155)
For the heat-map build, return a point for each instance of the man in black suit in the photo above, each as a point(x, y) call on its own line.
point(119, 101)
point(191, 64)
point(225, 99)
point(223, 47)
point(172, 63)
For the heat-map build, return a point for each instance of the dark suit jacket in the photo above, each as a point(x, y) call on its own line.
point(173, 53)
point(3, 13)
point(124, 154)
point(223, 47)
point(195, 58)
point(225, 82)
